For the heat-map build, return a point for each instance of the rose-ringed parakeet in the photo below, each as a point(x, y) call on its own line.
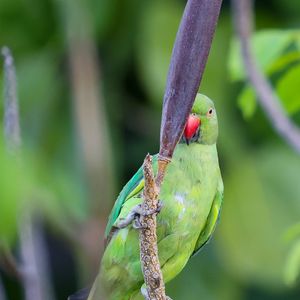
point(191, 196)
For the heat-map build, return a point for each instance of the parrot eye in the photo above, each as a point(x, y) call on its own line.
point(210, 112)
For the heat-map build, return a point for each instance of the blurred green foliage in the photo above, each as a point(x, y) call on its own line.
point(249, 257)
point(27, 184)
point(278, 54)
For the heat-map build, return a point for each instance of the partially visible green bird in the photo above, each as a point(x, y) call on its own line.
point(191, 193)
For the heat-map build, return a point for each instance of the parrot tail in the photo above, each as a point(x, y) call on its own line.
point(80, 295)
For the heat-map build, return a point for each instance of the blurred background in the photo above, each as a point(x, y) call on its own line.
point(91, 77)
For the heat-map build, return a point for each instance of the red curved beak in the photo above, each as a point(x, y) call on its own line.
point(191, 127)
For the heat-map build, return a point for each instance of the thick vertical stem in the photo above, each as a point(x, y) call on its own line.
point(148, 239)
point(189, 56)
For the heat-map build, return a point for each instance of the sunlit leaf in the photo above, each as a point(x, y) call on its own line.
point(247, 102)
point(288, 90)
point(292, 269)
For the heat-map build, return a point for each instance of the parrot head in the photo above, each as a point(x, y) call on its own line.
point(202, 123)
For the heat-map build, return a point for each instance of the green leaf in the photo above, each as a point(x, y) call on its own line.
point(284, 61)
point(292, 269)
point(288, 90)
point(247, 102)
point(268, 46)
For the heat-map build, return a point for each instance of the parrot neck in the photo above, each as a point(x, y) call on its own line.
point(189, 154)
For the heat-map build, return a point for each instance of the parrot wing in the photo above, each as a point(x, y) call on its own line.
point(133, 187)
point(212, 219)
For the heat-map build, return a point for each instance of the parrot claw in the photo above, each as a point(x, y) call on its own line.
point(150, 211)
point(124, 222)
point(137, 224)
point(144, 292)
point(159, 206)
point(135, 214)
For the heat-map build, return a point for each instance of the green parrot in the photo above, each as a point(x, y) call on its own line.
point(191, 196)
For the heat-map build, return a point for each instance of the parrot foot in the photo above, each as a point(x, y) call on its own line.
point(137, 224)
point(144, 292)
point(135, 214)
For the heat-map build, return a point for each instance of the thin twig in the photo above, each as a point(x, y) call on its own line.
point(148, 240)
point(267, 98)
point(33, 273)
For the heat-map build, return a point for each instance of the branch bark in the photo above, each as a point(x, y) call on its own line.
point(148, 240)
point(243, 15)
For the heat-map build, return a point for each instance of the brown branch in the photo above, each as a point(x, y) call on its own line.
point(148, 240)
point(267, 98)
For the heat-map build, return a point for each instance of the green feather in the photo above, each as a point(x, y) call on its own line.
point(211, 220)
point(132, 188)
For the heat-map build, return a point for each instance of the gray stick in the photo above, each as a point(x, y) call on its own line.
point(34, 274)
point(267, 98)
